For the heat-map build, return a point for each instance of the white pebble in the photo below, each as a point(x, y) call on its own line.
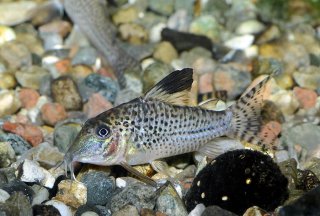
point(120, 183)
point(62, 208)
point(198, 210)
point(3, 196)
point(240, 42)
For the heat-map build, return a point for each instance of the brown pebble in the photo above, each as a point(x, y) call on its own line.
point(96, 105)
point(307, 98)
point(28, 97)
point(52, 113)
point(58, 26)
point(30, 133)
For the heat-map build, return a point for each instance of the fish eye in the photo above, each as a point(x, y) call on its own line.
point(103, 131)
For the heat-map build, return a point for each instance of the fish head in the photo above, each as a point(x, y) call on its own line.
point(99, 142)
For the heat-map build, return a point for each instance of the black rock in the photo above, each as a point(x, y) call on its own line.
point(53, 191)
point(216, 210)
point(308, 204)
point(45, 210)
point(99, 187)
point(19, 186)
point(238, 180)
point(86, 208)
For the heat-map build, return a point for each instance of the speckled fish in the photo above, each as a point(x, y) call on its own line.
point(160, 124)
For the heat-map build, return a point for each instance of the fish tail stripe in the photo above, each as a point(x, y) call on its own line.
point(246, 123)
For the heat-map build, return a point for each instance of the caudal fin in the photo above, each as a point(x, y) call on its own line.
point(246, 123)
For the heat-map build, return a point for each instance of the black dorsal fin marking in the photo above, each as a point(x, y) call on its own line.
point(174, 88)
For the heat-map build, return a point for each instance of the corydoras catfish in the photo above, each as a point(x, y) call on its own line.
point(160, 124)
point(90, 16)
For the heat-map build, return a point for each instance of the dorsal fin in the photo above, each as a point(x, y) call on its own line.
point(174, 88)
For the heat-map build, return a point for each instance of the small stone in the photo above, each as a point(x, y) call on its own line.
point(314, 165)
point(41, 194)
point(125, 15)
point(7, 175)
point(65, 91)
point(19, 145)
point(86, 56)
point(96, 105)
point(285, 81)
point(63, 209)
point(6, 34)
point(154, 73)
point(128, 210)
point(133, 33)
point(60, 27)
point(286, 101)
point(205, 83)
point(45, 210)
point(28, 97)
point(62, 67)
point(155, 32)
point(22, 12)
point(240, 42)
point(31, 77)
point(308, 77)
point(307, 98)
point(308, 204)
point(93, 83)
point(254, 211)
point(16, 55)
point(206, 25)
point(165, 52)
point(7, 154)
point(3, 196)
point(15, 187)
point(137, 194)
point(198, 210)
point(250, 27)
point(10, 103)
point(30, 171)
point(29, 132)
point(88, 210)
point(72, 193)
point(65, 133)
point(289, 169)
point(164, 7)
point(170, 203)
point(18, 204)
point(307, 180)
point(216, 210)
point(99, 187)
point(272, 33)
point(180, 20)
point(52, 113)
point(7, 81)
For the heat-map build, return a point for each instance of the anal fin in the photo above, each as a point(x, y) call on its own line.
point(219, 146)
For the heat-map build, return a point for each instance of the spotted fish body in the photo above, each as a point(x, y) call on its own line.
point(160, 124)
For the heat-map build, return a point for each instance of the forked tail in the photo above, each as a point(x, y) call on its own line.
point(246, 123)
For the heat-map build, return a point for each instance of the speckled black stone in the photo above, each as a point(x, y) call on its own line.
point(238, 180)
point(18, 186)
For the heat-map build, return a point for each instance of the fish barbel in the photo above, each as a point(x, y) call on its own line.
point(160, 124)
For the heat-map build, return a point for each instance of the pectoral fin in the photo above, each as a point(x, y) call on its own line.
point(219, 146)
point(160, 167)
point(135, 172)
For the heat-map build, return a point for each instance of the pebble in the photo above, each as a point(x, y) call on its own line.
point(7, 154)
point(307, 98)
point(96, 105)
point(254, 211)
point(6, 34)
point(30, 133)
point(198, 210)
point(308, 77)
point(88, 210)
point(86, 56)
point(72, 193)
point(180, 20)
point(154, 73)
point(206, 25)
point(28, 97)
point(125, 15)
point(16, 187)
point(10, 207)
point(52, 113)
point(21, 8)
point(63, 209)
point(3, 196)
point(16, 55)
point(65, 91)
point(165, 52)
point(7, 81)
point(65, 133)
point(133, 33)
point(58, 26)
point(9, 101)
point(31, 77)
point(45, 210)
point(128, 210)
point(250, 27)
point(30, 171)
point(99, 187)
point(240, 42)
point(18, 144)
point(216, 210)
point(165, 7)
point(286, 101)
point(137, 194)
point(41, 194)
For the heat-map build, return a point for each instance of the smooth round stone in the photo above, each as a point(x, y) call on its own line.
point(6, 34)
point(41, 194)
point(62, 208)
point(155, 32)
point(133, 33)
point(52, 113)
point(9, 101)
point(308, 77)
point(286, 101)
point(125, 15)
point(21, 13)
point(154, 73)
point(31, 77)
point(57, 26)
point(164, 7)
point(86, 56)
point(240, 42)
point(18, 143)
point(250, 27)
point(7, 81)
point(16, 55)
point(165, 52)
point(65, 91)
point(7, 154)
point(99, 187)
point(88, 210)
point(206, 25)
point(128, 210)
